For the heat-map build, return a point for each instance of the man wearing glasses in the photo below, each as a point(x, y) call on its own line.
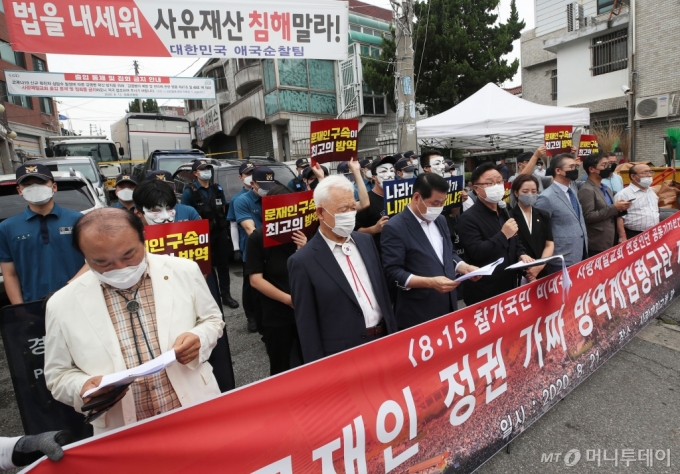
point(644, 210)
point(560, 201)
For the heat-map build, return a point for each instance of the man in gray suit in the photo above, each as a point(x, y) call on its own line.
point(566, 216)
point(600, 212)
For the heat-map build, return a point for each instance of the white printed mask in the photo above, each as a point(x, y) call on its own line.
point(384, 173)
point(159, 215)
point(437, 165)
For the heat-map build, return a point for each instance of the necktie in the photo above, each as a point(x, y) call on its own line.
point(606, 195)
point(574, 202)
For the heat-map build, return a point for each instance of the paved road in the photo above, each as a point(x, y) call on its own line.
point(632, 402)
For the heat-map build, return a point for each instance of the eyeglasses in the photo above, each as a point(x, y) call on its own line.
point(570, 168)
point(486, 185)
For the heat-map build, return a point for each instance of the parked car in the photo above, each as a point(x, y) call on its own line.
point(74, 191)
point(86, 165)
point(167, 160)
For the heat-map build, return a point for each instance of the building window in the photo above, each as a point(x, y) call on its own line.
point(604, 6)
point(369, 51)
point(11, 56)
point(3, 91)
point(553, 84)
point(21, 101)
point(45, 105)
point(39, 64)
point(242, 63)
point(354, 27)
point(220, 81)
point(609, 52)
point(374, 104)
point(194, 105)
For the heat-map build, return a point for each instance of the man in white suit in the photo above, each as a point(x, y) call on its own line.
point(128, 309)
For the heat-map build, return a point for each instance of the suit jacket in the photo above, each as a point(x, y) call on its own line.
point(541, 231)
point(480, 234)
point(600, 217)
point(406, 251)
point(569, 230)
point(81, 341)
point(328, 316)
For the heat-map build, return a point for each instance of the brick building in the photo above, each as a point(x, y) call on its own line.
point(31, 118)
point(617, 61)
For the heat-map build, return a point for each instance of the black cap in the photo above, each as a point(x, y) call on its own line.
point(404, 165)
point(364, 163)
point(37, 170)
point(448, 162)
point(302, 163)
point(126, 178)
point(410, 154)
point(159, 175)
point(264, 177)
point(343, 168)
point(523, 157)
point(246, 167)
point(309, 172)
point(387, 160)
point(200, 165)
point(398, 156)
point(450, 167)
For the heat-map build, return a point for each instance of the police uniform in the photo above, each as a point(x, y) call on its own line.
point(125, 178)
point(40, 246)
point(297, 184)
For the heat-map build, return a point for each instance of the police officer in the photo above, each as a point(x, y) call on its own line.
point(366, 173)
point(125, 186)
point(404, 169)
point(238, 235)
point(182, 211)
point(36, 255)
point(209, 200)
point(297, 184)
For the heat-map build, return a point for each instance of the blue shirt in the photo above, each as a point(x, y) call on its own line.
point(186, 213)
point(299, 188)
point(248, 206)
point(40, 248)
point(230, 213)
point(614, 182)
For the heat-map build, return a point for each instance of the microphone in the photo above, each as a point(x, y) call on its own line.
point(503, 210)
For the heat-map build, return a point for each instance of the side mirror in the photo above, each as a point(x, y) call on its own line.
point(121, 152)
point(102, 178)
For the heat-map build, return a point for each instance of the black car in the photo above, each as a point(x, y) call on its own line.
point(166, 160)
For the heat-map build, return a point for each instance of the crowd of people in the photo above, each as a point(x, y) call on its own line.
point(361, 276)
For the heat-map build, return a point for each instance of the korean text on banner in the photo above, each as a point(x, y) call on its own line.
point(587, 146)
point(558, 139)
point(209, 123)
point(460, 387)
point(397, 194)
point(284, 214)
point(259, 29)
point(188, 239)
point(333, 140)
point(94, 84)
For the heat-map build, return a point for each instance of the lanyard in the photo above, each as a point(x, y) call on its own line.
point(133, 308)
point(357, 280)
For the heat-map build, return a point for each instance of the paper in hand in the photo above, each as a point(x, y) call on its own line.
point(484, 271)
point(535, 263)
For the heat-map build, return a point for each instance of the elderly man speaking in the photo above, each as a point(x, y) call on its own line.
point(128, 309)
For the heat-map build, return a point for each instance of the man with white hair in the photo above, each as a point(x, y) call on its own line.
point(337, 284)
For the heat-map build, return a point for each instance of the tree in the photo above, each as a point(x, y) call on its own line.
point(150, 106)
point(459, 45)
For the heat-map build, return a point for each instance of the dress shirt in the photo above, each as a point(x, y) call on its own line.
point(614, 182)
point(643, 212)
point(562, 187)
point(529, 219)
point(372, 314)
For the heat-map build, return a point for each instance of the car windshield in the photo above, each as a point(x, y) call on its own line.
point(85, 168)
point(172, 163)
point(228, 178)
point(100, 152)
point(70, 195)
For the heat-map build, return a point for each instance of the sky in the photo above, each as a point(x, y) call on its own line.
point(102, 113)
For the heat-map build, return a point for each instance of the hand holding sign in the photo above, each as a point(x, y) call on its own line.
point(558, 139)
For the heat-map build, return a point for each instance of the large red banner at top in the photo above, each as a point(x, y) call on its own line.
point(448, 393)
point(200, 28)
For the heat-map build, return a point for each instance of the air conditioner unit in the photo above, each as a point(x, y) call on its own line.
point(652, 107)
point(575, 16)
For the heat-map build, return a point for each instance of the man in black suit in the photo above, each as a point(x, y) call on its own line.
point(337, 286)
point(418, 255)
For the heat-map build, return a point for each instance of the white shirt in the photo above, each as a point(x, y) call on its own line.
point(643, 212)
point(6, 451)
point(540, 173)
point(529, 219)
point(372, 312)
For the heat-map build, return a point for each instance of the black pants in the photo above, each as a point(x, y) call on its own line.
point(632, 233)
point(251, 302)
point(224, 280)
point(283, 348)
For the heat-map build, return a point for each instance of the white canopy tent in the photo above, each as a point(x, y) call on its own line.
point(494, 118)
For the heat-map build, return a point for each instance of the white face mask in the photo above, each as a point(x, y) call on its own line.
point(123, 278)
point(163, 215)
point(37, 194)
point(447, 174)
point(646, 181)
point(369, 175)
point(437, 166)
point(344, 223)
point(498, 163)
point(125, 194)
point(414, 162)
point(431, 213)
point(247, 180)
point(384, 173)
point(495, 193)
point(262, 192)
point(205, 175)
point(408, 174)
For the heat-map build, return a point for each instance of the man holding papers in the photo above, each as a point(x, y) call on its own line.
point(130, 308)
point(418, 255)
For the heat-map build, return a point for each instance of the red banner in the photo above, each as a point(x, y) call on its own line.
point(333, 140)
point(284, 214)
point(558, 139)
point(448, 393)
point(587, 146)
point(188, 239)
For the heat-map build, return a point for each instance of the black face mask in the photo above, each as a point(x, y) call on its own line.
point(314, 184)
point(572, 175)
point(605, 173)
point(612, 167)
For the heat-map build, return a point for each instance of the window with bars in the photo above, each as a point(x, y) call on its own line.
point(194, 105)
point(218, 75)
point(553, 84)
point(39, 64)
point(609, 52)
point(242, 63)
point(604, 6)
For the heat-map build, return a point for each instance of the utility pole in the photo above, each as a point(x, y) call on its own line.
point(406, 99)
point(139, 101)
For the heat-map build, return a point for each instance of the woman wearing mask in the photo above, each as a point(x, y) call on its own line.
point(534, 228)
point(268, 273)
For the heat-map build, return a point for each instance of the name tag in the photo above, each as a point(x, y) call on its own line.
point(65, 230)
point(22, 237)
point(218, 202)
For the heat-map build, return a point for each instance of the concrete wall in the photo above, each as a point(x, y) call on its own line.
point(551, 15)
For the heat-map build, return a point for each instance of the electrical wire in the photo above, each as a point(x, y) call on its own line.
point(422, 55)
